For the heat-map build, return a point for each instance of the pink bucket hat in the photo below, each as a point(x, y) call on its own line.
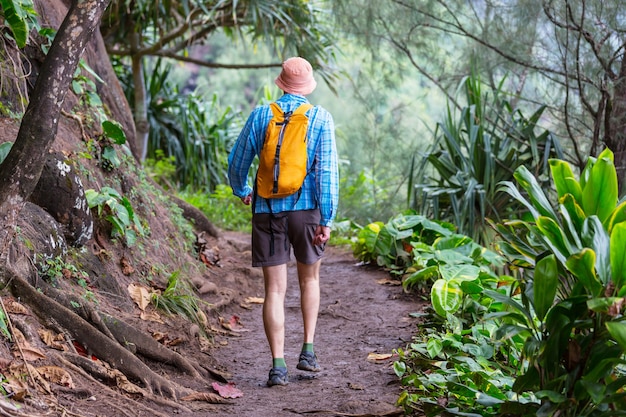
point(296, 77)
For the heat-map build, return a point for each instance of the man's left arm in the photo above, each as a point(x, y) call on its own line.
point(328, 173)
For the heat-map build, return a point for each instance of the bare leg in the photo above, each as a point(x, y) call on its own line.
point(309, 279)
point(274, 308)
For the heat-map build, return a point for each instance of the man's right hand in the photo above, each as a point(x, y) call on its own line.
point(247, 199)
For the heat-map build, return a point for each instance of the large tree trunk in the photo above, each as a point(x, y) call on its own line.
point(142, 126)
point(616, 132)
point(22, 168)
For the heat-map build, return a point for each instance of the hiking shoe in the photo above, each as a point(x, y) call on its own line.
point(278, 376)
point(308, 362)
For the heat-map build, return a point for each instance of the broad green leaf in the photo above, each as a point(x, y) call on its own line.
point(459, 272)
point(119, 227)
point(451, 242)
point(617, 329)
point(497, 296)
point(4, 328)
point(553, 396)
point(434, 347)
point(113, 130)
point(618, 255)
point(16, 17)
point(508, 331)
point(111, 192)
point(384, 242)
point(422, 275)
point(538, 198)
point(121, 213)
point(446, 297)
point(618, 216)
point(603, 304)
point(595, 390)
point(4, 150)
point(109, 153)
point(575, 214)
point(595, 237)
point(94, 198)
point(369, 234)
point(509, 188)
point(584, 176)
point(454, 324)
point(528, 381)
point(555, 238)
point(582, 266)
point(471, 287)
point(452, 256)
point(545, 285)
point(603, 360)
point(600, 193)
point(564, 179)
point(571, 228)
point(399, 368)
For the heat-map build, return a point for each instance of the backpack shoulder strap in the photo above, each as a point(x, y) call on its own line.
point(303, 108)
point(276, 110)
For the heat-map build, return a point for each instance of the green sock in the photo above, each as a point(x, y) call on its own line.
point(279, 363)
point(307, 347)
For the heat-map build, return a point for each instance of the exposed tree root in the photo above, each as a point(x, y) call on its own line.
point(148, 347)
point(199, 219)
point(69, 361)
point(128, 335)
point(94, 341)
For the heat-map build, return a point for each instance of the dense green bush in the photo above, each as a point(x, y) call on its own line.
point(222, 207)
point(548, 339)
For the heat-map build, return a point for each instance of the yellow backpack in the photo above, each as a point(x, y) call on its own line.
point(283, 158)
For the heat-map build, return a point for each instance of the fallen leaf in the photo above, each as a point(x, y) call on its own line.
point(40, 381)
point(210, 256)
point(14, 307)
point(14, 384)
point(80, 349)
point(127, 268)
point(176, 342)
point(387, 281)
point(376, 357)
point(24, 348)
point(232, 324)
point(150, 316)
point(228, 390)
point(356, 387)
point(160, 337)
point(140, 295)
point(57, 375)
point(204, 396)
point(124, 384)
point(254, 300)
point(52, 340)
point(202, 319)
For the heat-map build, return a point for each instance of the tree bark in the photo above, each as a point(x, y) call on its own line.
point(22, 167)
point(142, 126)
point(616, 131)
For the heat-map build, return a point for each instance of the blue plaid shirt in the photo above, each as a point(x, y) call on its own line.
point(321, 185)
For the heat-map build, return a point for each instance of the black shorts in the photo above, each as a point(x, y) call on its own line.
point(273, 236)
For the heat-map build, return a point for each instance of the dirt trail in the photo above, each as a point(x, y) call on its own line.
point(358, 316)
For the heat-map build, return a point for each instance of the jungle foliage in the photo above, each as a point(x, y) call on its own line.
point(548, 337)
point(474, 149)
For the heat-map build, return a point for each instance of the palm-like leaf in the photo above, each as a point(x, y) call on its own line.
point(472, 155)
